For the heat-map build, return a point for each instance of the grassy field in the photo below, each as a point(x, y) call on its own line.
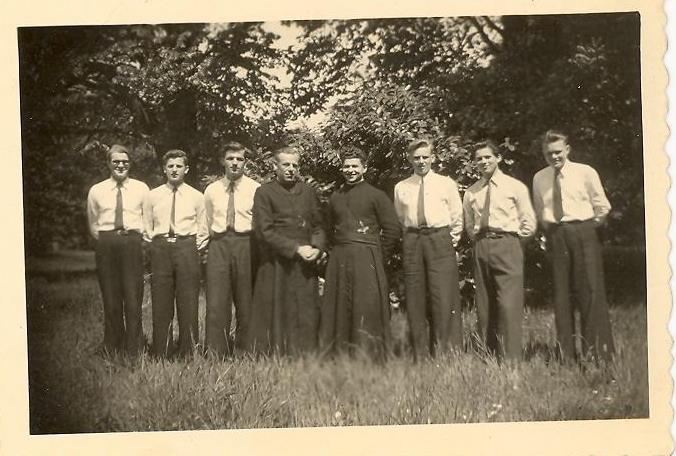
point(74, 390)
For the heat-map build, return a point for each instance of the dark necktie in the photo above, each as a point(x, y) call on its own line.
point(119, 220)
point(556, 198)
point(485, 213)
point(172, 217)
point(230, 214)
point(422, 221)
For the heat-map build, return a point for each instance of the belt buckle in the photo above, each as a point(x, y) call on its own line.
point(171, 239)
point(121, 232)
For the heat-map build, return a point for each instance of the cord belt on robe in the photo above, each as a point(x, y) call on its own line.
point(354, 237)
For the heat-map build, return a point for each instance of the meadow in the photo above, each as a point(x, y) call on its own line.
point(72, 389)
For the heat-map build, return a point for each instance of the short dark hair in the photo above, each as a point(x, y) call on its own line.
point(417, 144)
point(286, 150)
point(487, 144)
point(116, 149)
point(175, 153)
point(353, 152)
point(551, 136)
point(234, 146)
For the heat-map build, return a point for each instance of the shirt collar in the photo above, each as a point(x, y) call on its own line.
point(295, 189)
point(113, 183)
point(170, 188)
point(564, 169)
point(236, 183)
point(347, 186)
point(430, 175)
point(498, 177)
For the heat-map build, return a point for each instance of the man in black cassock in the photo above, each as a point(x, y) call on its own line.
point(287, 223)
point(363, 230)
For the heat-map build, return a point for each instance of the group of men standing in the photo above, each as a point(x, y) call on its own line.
point(265, 243)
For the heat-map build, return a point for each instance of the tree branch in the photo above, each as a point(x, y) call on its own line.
point(493, 25)
point(484, 36)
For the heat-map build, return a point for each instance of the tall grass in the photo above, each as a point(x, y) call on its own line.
point(74, 390)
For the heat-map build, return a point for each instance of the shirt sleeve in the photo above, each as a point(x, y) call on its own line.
point(398, 205)
point(597, 195)
point(468, 214)
point(209, 208)
point(92, 213)
point(148, 227)
point(454, 212)
point(202, 237)
point(525, 211)
point(538, 204)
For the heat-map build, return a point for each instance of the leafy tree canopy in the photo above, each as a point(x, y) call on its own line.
point(378, 83)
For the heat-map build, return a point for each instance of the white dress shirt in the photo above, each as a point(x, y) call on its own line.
point(189, 215)
point(442, 203)
point(216, 198)
point(510, 207)
point(102, 200)
point(581, 193)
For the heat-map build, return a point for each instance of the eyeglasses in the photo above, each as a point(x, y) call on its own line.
point(120, 162)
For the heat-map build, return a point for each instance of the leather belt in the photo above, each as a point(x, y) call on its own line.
point(174, 238)
point(495, 235)
point(427, 229)
point(571, 222)
point(120, 232)
point(553, 226)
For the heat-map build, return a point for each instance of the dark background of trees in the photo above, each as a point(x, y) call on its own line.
point(381, 82)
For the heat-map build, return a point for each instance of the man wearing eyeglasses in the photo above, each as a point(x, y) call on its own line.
point(115, 216)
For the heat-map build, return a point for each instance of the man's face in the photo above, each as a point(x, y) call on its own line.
point(353, 170)
point(286, 167)
point(556, 153)
point(175, 170)
point(234, 164)
point(119, 166)
point(421, 159)
point(486, 161)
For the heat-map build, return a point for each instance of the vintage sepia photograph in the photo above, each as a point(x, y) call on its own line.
point(342, 223)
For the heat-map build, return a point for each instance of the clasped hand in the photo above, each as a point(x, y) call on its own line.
point(307, 252)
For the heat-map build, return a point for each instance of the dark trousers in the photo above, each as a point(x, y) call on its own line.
point(176, 277)
point(498, 277)
point(229, 279)
point(432, 292)
point(119, 266)
point(577, 268)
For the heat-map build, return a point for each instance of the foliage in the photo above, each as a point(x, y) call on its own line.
point(188, 86)
point(381, 121)
point(508, 79)
point(378, 82)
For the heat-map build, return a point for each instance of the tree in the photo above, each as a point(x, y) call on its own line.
point(506, 78)
point(188, 86)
